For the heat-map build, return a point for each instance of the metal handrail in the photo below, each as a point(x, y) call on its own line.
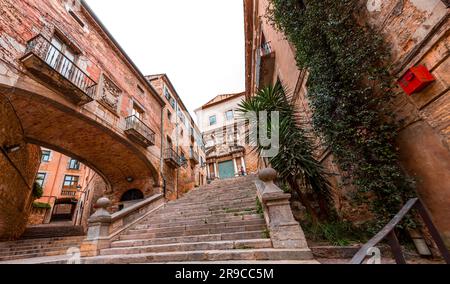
point(388, 233)
point(50, 54)
point(134, 122)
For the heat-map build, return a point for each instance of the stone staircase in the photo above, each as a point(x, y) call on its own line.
point(34, 248)
point(218, 222)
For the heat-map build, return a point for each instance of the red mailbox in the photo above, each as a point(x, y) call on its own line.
point(416, 79)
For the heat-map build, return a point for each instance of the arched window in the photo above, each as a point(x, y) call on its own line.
point(132, 194)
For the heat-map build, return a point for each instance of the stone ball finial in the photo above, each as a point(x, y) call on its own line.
point(267, 174)
point(103, 203)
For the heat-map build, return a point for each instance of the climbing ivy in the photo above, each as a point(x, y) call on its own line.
point(349, 89)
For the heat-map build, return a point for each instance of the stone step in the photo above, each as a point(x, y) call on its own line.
point(194, 213)
point(29, 242)
point(182, 232)
point(196, 246)
point(38, 246)
point(194, 221)
point(34, 255)
point(49, 231)
point(165, 218)
point(189, 239)
point(204, 255)
point(211, 204)
point(201, 214)
point(200, 226)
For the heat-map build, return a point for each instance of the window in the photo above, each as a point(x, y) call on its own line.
point(167, 94)
point(71, 181)
point(40, 178)
point(229, 115)
point(212, 120)
point(169, 115)
point(137, 111)
point(65, 64)
point(140, 90)
point(173, 103)
point(181, 116)
point(74, 164)
point(76, 18)
point(46, 156)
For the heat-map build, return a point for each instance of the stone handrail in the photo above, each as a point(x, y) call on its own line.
point(285, 231)
point(104, 227)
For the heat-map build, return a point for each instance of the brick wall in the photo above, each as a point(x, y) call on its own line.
point(18, 170)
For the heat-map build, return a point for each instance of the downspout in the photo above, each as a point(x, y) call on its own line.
point(161, 159)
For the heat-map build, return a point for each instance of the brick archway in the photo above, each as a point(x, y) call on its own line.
point(64, 128)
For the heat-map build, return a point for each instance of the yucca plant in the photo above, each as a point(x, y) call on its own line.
point(295, 160)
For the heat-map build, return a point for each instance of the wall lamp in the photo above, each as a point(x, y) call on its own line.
point(12, 148)
point(130, 179)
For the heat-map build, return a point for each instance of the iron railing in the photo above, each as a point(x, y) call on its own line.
point(69, 192)
point(135, 123)
point(52, 56)
point(170, 154)
point(388, 233)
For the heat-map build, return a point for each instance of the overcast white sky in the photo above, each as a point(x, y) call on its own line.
point(198, 43)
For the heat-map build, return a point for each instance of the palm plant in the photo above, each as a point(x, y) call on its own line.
point(295, 160)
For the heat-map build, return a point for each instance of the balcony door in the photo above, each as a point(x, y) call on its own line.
point(61, 57)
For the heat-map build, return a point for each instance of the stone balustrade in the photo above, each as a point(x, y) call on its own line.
point(104, 227)
point(285, 231)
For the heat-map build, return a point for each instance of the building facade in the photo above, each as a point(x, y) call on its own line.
point(417, 33)
point(66, 190)
point(183, 149)
point(227, 153)
point(68, 86)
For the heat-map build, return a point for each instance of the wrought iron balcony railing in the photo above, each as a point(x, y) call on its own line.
point(172, 158)
point(70, 192)
point(58, 69)
point(139, 131)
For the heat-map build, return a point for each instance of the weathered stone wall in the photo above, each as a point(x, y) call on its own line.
point(37, 216)
point(181, 180)
point(100, 58)
point(18, 170)
point(416, 32)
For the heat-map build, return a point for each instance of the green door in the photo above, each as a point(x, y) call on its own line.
point(226, 169)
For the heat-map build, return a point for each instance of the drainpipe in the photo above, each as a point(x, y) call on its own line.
point(161, 158)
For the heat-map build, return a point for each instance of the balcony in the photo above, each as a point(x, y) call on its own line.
point(194, 157)
point(267, 65)
point(139, 132)
point(172, 158)
point(48, 64)
point(192, 135)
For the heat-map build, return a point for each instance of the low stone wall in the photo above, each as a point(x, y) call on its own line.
point(104, 227)
point(37, 216)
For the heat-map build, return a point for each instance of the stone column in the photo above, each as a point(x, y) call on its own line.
point(285, 231)
point(243, 164)
point(98, 230)
point(236, 170)
point(208, 174)
point(216, 174)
